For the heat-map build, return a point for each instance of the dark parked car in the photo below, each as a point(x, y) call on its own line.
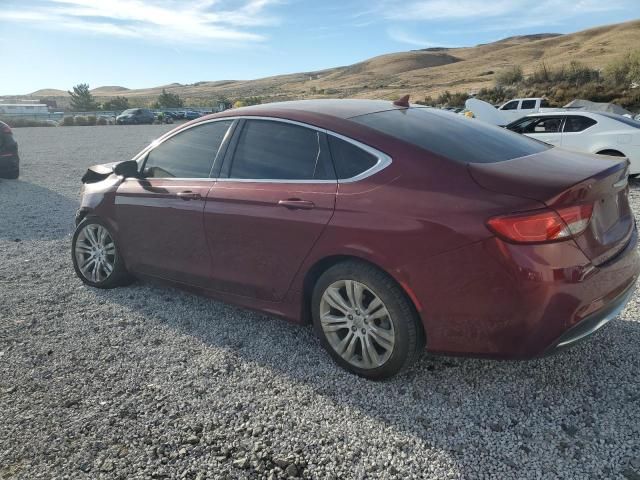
point(9, 159)
point(191, 115)
point(388, 227)
point(136, 116)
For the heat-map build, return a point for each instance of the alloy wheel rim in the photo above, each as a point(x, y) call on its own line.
point(357, 324)
point(95, 253)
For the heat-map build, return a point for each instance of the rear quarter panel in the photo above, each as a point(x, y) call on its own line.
point(418, 208)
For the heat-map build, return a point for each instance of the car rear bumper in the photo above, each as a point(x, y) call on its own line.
point(499, 300)
point(593, 322)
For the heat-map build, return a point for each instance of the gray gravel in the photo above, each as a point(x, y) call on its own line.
point(151, 382)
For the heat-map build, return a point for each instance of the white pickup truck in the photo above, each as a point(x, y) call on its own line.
point(508, 112)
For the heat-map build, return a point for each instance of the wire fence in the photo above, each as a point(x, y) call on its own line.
point(110, 114)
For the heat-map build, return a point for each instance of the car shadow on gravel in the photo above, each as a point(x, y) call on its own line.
point(31, 212)
point(454, 404)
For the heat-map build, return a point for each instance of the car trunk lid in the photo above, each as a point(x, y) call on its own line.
point(559, 178)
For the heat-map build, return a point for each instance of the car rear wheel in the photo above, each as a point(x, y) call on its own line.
point(365, 321)
point(96, 258)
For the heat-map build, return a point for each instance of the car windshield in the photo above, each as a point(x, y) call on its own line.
point(452, 136)
point(130, 111)
point(626, 120)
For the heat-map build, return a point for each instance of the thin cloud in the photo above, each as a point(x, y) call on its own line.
point(176, 21)
point(496, 10)
point(448, 17)
point(402, 36)
point(447, 9)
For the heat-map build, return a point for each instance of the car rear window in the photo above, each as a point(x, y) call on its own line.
point(458, 138)
point(349, 160)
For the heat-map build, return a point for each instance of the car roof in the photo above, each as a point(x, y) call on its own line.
point(338, 108)
point(562, 112)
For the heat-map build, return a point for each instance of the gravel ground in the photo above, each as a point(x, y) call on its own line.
point(152, 382)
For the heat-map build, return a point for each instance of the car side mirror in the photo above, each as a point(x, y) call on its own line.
point(127, 169)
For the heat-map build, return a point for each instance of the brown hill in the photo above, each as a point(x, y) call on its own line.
point(109, 90)
point(418, 72)
point(49, 92)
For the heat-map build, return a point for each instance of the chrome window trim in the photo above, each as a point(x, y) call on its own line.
point(383, 162)
point(141, 158)
point(196, 179)
point(276, 180)
point(145, 151)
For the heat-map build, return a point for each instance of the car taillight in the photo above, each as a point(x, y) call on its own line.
point(5, 129)
point(544, 225)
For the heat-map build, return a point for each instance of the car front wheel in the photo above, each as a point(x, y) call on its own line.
point(365, 321)
point(96, 258)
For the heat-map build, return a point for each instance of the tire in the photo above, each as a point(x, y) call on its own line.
point(88, 240)
point(355, 331)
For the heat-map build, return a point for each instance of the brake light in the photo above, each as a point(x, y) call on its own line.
point(544, 225)
point(5, 129)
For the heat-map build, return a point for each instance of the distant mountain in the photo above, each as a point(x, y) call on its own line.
point(428, 71)
point(100, 91)
point(109, 90)
point(525, 38)
point(49, 92)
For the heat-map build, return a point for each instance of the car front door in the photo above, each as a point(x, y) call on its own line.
point(510, 111)
point(274, 197)
point(545, 128)
point(160, 215)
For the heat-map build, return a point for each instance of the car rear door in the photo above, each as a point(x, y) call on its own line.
point(575, 135)
point(528, 106)
point(510, 111)
point(274, 197)
point(160, 216)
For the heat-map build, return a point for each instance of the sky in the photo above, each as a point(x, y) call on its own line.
point(147, 43)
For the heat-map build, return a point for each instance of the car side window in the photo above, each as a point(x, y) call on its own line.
point(545, 125)
point(528, 104)
point(520, 126)
point(272, 150)
point(349, 160)
point(513, 105)
point(188, 154)
point(577, 123)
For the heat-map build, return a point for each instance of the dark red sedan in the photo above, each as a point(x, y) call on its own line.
point(390, 227)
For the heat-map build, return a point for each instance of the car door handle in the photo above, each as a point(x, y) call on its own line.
point(296, 203)
point(189, 195)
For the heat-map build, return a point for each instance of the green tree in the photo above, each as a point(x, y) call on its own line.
point(168, 100)
point(81, 99)
point(245, 102)
point(117, 103)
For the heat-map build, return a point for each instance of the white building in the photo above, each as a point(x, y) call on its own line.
point(22, 108)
